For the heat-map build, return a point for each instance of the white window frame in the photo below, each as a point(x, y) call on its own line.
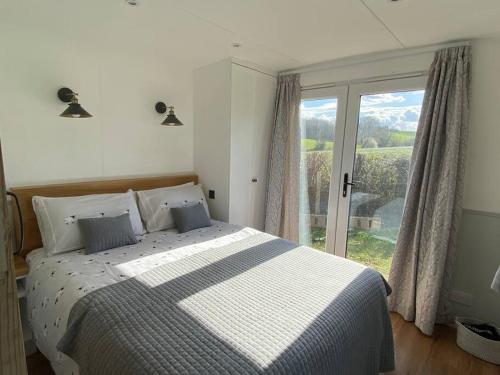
point(349, 146)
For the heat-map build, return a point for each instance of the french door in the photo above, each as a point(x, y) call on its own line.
point(356, 144)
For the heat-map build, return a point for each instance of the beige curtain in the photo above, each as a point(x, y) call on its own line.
point(421, 267)
point(282, 206)
point(12, 360)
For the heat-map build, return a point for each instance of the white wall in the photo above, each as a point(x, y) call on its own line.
point(482, 177)
point(479, 246)
point(212, 135)
point(117, 86)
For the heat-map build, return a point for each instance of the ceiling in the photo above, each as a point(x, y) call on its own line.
point(276, 34)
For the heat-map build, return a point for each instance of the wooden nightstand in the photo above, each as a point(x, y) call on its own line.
point(21, 268)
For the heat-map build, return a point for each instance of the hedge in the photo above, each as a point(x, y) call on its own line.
point(379, 171)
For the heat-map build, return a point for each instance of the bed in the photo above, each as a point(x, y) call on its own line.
point(221, 299)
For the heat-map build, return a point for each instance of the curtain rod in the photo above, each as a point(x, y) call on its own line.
point(373, 57)
point(419, 73)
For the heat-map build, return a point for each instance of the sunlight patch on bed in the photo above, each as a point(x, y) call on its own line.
point(138, 266)
point(237, 312)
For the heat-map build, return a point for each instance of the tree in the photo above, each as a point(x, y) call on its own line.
point(369, 142)
point(318, 167)
point(319, 129)
point(370, 127)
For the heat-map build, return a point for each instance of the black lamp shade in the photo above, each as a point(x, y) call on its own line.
point(75, 110)
point(172, 119)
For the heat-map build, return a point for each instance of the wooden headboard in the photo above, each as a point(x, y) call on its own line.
point(32, 238)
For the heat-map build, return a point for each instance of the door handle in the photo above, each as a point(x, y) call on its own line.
point(346, 184)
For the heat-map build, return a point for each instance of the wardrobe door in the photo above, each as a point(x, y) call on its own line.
point(252, 103)
point(264, 95)
point(242, 124)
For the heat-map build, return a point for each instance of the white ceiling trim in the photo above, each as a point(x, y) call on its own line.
point(387, 77)
point(373, 57)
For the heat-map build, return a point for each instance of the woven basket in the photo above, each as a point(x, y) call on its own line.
point(475, 344)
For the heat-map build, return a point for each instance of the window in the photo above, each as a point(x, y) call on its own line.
point(356, 145)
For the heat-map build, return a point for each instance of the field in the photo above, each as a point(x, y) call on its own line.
point(396, 139)
point(381, 171)
point(314, 145)
point(364, 248)
point(386, 151)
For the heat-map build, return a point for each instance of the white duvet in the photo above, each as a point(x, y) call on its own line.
point(55, 283)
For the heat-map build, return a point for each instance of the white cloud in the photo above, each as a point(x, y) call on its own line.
point(326, 111)
point(370, 100)
point(388, 108)
point(328, 116)
point(323, 107)
point(401, 118)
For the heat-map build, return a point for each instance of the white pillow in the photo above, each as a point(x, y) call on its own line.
point(57, 217)
point(155, 204)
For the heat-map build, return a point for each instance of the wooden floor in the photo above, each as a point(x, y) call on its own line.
point(416, 354)
point(419, 354)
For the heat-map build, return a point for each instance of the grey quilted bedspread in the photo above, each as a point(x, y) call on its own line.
point(262, 305)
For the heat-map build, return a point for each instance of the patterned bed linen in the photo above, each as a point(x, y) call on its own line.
point(258, 305)
point(56, 283)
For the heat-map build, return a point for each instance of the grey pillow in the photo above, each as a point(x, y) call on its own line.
point(103, 233)
point(190, 217)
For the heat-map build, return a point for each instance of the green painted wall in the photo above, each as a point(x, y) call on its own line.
point(478, 257)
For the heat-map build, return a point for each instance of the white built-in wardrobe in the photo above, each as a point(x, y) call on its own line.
point(233, 116)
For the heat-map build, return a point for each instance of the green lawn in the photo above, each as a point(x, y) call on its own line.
point(362, 247)
point(401, 137)
point(385, 151)
point(374, 248)
point(371, 251)
point(309, 145)
point(314, 145)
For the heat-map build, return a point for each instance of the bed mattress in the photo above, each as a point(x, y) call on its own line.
point(55, 283)
point(222, 299)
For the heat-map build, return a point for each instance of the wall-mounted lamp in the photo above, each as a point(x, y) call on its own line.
point(74, 110)
point(171, 119)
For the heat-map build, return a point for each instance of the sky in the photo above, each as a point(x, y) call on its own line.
point(399, 110)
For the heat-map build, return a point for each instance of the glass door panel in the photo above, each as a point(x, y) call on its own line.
point(382, 125)
point(320, 113)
